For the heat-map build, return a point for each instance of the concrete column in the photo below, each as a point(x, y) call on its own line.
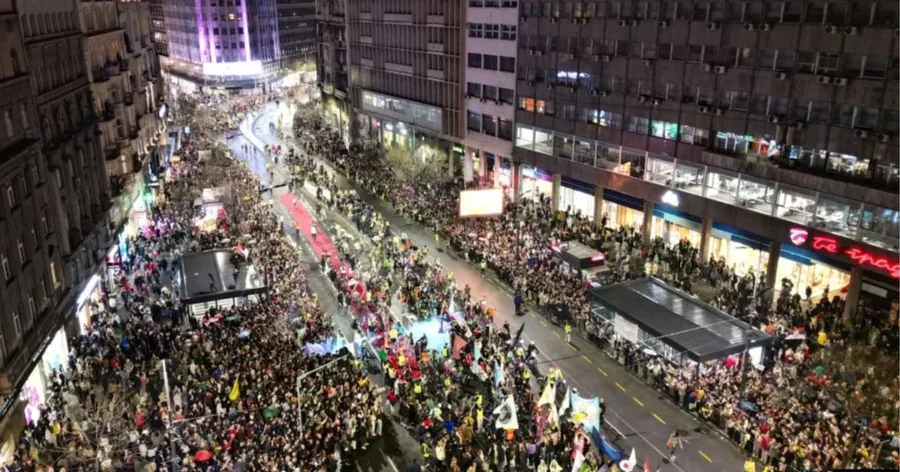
point(482, 168)
point(554, 198)
point(705, 234)
point(516, 182)
point(498, 164)
point(451, 162)
point(598, 205)
point(648, 218)
point(468, 166)
point(852, 300)
point(772, 267)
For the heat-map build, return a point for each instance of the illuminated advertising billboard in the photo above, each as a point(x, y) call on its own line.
point(487, 202)
point(243, 69)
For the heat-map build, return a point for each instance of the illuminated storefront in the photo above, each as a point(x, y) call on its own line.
point(536, 184)
point(673, 226)
point(744, 252)
point(505, 177)
point(84, 308)
point(622, 210)
point(34, 392)
point(577, 197)
point(810, 269)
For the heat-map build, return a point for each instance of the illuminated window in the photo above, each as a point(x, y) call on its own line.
point(231, 16)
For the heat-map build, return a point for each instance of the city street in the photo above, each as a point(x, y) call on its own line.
point(635, 411)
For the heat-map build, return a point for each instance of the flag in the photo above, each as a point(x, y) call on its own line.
point(548, 396)
point(458, 344)
point(235, 391)
point(627, 465)
point(586, 411)
point(566, 403)
point(498, 373)
point(506, 414)
point(554, 414)
point(477, 351)
point(647, 464)
point(518, 335)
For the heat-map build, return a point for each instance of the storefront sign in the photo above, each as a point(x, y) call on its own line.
point(831, 245)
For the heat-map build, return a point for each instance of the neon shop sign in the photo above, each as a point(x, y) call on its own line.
point(858, 255)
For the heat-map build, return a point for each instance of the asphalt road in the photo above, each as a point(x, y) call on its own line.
point(638, 416)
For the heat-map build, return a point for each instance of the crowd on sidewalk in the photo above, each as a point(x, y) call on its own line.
point(782, 412)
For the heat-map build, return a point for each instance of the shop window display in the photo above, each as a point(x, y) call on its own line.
point(743, 259)
point(816, 275)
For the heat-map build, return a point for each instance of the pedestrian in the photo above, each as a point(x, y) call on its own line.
point(568, 330)
point(313, 231)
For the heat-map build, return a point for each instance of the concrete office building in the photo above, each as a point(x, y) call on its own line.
point(405, 59)
point(764, 133)
point(491, 50)
point(296, 31)
point(158, 28)
point(332, 63)
point(230, 44)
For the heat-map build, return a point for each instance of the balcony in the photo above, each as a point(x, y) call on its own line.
point(109, 111)
point(124, 65)
point(134, 133)
point(128, 98)
point(113, 151)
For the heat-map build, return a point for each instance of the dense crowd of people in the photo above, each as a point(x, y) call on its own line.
point(761, 408)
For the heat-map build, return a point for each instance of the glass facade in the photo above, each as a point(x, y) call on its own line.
point(854, 220)
point(416, 113)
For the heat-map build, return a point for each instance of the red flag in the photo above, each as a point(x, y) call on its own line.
point(458, 344)
point(646, 463)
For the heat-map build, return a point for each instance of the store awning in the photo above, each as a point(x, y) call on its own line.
point(210, 275)
point(697, 330)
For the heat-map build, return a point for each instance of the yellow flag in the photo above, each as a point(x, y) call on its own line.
point(235, 391)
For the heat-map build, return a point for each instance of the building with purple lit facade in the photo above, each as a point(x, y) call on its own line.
point(224, 44)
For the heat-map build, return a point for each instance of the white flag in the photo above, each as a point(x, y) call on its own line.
point(506, 414)
point(566, 403)
point(628, 464)
point(577, 461)
point(548, 396)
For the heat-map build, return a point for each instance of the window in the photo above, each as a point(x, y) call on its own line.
point(473, 89)
point(506, 95)
point(526, 103)
point(35, 176)
point(22, 256)
point(476, 30)
point(53, 277)
point(875, 67)
point(474, 60)
point(491, 31)
point(490, 62)
point(17, 324)
point(489, 92)
point(23, 114)
point(504, 129)
point(10, 196)
point(508, 32)
point(507, 64)
point(473, 121)
point(638, 125)
point(692, 135)
point(34, 239)
point(7, 271)
point(31, 308)
point(489, 125)
point(8, 123)
point(44, 224)
point(44, 293)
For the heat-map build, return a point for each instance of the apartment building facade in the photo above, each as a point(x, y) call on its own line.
point(490, 83)
point(296, 31)
point(763, 132)
point(221, 43)
point(158, 28)
point(332, 63)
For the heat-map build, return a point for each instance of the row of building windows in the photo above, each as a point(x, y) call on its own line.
point(857, 66)
point(492, 31)
point(802, 110)
point(865, 13)
point(490, 92)
point(489, 125)
point(493, 3)
point(46, 23)
point(492, 62)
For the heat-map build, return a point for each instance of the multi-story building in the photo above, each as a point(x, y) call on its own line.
point(764, 133)
point(332, 59)
point(407, 70)
point(30, 251)
point(491, 50)
point(158, 27)
point(296, 31)
point(222, 43)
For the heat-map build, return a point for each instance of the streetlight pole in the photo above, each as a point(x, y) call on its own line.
point(165, 373)
point(300, 380)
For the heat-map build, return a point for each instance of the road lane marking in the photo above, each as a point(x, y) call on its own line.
point(535, 317)
point(557, 335)
point(602, 372)
point(704, 456)
point(587, 359)
point(658, 418)
point(543, 323)
point(620, 386)
point(637, 401)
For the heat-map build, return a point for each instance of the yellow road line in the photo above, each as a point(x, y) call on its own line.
point(658, 418)
point(637, 401)
point(572, 347)
point(535, 317)
point(602, 372)
point(557, 334)
point(543, 323)
point(587, 359)
point(704, 455)
point(620, 386)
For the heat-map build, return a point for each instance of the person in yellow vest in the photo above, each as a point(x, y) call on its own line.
point(426, 451)
point(417, 389)
point(822, 338)
point(568, 330)
point(750, 465)
point(769, 468)
point(526, 374)
point(479, 419)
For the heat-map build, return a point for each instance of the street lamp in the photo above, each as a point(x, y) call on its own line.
point(300, 380)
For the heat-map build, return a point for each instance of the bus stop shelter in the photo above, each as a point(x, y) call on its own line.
point(675, 325)
point(210, 279)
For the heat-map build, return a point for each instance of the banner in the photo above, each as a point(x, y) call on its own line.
point(498, 373)
point(586, 411)
point(324, 348)
point(506, 414)
point(458, 344)
point(548, 396)
point(235, 391)
point(566, 403)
